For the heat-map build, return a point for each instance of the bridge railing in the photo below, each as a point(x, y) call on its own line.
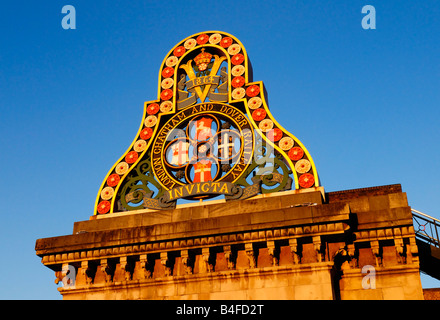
point(426, 227)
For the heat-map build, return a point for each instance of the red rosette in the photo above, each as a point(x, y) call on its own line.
point(226, 42)
point(146, 133)
point(179, 51)
point(275, 134)
point(153, 108)
point(131, 157)
point(253, 90)
point(296, 153)
point(238, 82)
point(168, 72)
point(104, 207)
point(306, 180)
point(259, 114)
point(237, 59)
point(113, 180)
point(202, 39)
point(167, 94)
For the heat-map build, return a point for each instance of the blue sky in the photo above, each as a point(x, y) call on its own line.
point(364, 102)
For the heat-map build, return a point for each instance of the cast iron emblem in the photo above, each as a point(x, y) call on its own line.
point(209, 133)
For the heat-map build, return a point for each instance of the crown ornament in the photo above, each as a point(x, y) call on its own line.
point(155, 171)
point(202, 60)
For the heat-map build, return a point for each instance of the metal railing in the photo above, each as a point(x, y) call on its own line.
point(426, 227)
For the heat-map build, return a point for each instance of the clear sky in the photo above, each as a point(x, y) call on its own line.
point(71, 101)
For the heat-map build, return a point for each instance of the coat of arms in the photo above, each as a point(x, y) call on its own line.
point(208, 133)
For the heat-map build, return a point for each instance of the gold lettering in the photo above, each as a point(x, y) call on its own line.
point(247, 155)
point(161, 174)
point(178, 192)
point(167, 127)
point(189, 190)
point(156, 162)
point(203, 185)
point(161, 138)
point(247, 134)
point(224, 188)
point(215, 185)
point(180, 116)
point(238, 169)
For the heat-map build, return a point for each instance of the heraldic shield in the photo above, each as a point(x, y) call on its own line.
point(208, 133)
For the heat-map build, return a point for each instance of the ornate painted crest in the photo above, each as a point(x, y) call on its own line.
point(209, 133)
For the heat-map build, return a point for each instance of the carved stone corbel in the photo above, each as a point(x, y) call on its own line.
point(165, 262)
point(206, 259)
point(107, 269)
point(186, 261)
point(317, 245)
point(85, 274)
point(144, 265)
point(375, 248)
point(59, 276)
point(272, 252)
point(400, 249)
point(351, 250)
point(125, 268)
point(293, 243)
point(414, 250)
point(230, 257)
point(249, 248)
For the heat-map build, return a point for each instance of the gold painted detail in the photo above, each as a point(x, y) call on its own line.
point(206, 81)
point(178, 154)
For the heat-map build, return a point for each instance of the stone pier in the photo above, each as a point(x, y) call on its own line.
point(353, 244)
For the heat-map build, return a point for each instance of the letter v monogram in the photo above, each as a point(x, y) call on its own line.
point(191, 75)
